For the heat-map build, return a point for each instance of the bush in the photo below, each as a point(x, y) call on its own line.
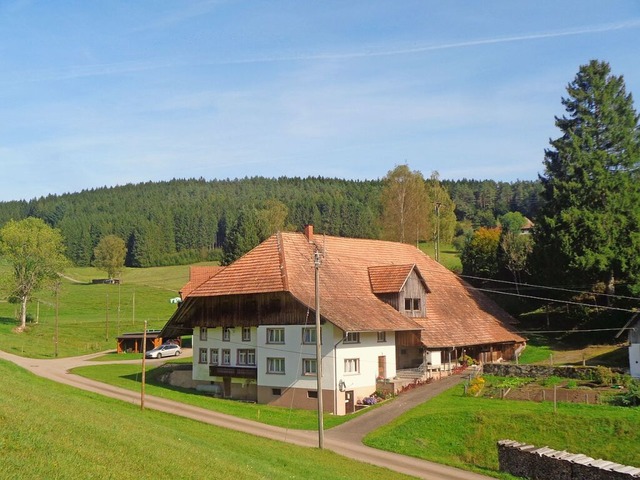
point(603, 376)
point(475, 386)
point(630, 398)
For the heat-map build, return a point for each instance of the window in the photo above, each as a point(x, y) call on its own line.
point(213, 356)
point(226, 356)
point(352, 337)
point(382, 337)
point(226, 334)
point(203, 355)
point(312, 394)
point(412, 304)
point(276, 392)
point(203, 334)
point(246, 334)
point(352, 365)
point(309, 335)
point(275, 335)
point(275, 365)
point(246, 356)
point(309, 366)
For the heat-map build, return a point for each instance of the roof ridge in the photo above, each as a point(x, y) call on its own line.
point(283, 263)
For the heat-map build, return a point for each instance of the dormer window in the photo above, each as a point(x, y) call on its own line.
point(412, 304)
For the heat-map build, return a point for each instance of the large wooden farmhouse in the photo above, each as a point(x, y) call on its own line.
point(384, 307)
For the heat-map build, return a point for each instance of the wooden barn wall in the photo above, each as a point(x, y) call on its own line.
point(408, 339)
point(390, 299)
point(249, 311)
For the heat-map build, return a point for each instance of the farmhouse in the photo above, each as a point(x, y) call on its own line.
point(385, 307)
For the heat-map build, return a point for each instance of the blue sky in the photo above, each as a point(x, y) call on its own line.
point(96, 93)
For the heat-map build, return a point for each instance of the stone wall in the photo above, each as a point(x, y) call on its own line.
point(544, 463)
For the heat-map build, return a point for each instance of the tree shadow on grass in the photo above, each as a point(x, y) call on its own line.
point(154, 376)
point(8, 321)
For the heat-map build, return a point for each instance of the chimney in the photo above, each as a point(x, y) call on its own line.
point(308, 232)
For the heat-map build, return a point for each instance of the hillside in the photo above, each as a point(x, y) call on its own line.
point(185, 221)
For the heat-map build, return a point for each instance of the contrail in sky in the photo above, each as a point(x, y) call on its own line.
point(94, 70)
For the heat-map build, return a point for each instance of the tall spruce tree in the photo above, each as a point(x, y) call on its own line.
point(588, 231)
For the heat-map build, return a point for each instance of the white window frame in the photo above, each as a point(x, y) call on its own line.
point(351, 366)
point(309, 336)
point(226, 356)
point(246, 357)
point(352, 337)
point(203, 334)
point(275, 365)
point(275, 335)
point(246, 334)
point(214, 356)
point(226, 334)
point(309, 367)
point(382, 337)
point(202, 356)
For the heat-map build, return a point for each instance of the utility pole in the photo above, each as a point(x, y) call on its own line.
point(106, 321)
point(144, 368)
point(55, 342)
point(438, 205)
point(317, 261)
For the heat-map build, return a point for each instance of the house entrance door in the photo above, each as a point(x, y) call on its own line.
point(227, 386)
point(382, 366)
point(349, 404)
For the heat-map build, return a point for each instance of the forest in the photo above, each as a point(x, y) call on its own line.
point(189, 220)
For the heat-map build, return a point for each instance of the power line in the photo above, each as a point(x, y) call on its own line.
point(550, 288)
point(574, 331)
point(568, 302)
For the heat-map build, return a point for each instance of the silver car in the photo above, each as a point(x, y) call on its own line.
point(166, 350)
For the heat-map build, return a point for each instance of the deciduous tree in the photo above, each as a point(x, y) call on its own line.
point(109, 255)
point(406, 210)
point(479, 256)
point(36, 252)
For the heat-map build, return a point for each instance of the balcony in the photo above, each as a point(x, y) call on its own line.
point(235, 372)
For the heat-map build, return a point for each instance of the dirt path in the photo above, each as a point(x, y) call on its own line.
point(345, 439)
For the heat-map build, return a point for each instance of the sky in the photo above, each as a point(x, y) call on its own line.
point(109, 93)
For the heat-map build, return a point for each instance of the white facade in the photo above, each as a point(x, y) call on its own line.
point(284, 358)
point(634, 360)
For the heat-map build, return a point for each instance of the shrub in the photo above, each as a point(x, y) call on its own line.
point(630, 398)
point(475, 386)
point(603, 376)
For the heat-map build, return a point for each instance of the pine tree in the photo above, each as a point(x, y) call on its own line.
point(588, 230)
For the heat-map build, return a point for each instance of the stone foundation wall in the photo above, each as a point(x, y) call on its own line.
point(544, 463)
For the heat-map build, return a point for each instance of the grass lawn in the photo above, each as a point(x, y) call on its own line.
point(91, 316)
point(129, 376)
point(449, 256)
point(48, 430)
point(462, 431)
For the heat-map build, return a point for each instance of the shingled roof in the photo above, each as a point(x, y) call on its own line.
point(197, 276)
point(352, 272)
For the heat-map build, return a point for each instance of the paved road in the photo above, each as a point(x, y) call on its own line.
point(345, 439)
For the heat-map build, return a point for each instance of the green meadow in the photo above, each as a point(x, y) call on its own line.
point(52, 431)
point(91, 316)
point(462, 431)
